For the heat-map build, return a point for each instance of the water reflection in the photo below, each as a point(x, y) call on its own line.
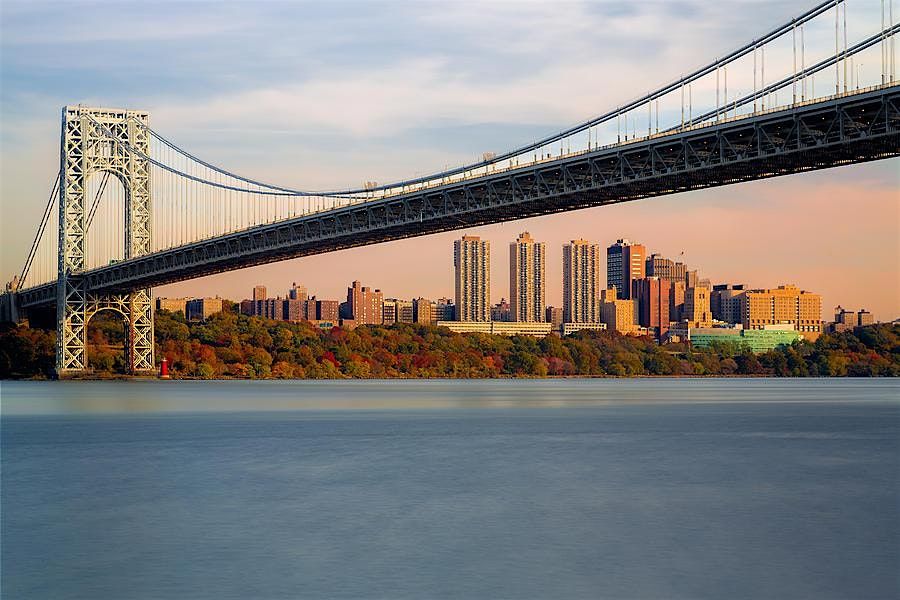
point(149, 396)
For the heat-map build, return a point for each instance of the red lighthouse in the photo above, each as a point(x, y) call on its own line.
point(164, 369)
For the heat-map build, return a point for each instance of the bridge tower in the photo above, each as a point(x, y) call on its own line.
point(96, 140)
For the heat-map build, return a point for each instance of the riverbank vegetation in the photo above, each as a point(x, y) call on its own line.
point(231, 345)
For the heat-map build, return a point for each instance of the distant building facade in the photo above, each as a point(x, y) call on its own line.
point(444, 310)
point(200, 309)
point(397, 311)
point(172, 305)
point(676, 300)
point(502, 311)
point(725, 302)
point(424, 311)
point(696, 307)
point(664, 268)
point(616, 313)
point(651, 294)
point(554, 316)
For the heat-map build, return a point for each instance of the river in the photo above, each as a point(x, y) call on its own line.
point(647, 488)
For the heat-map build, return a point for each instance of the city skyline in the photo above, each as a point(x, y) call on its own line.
point(410, 283)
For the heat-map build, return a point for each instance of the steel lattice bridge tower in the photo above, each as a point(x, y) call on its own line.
point(132, 210)
point(98, 140)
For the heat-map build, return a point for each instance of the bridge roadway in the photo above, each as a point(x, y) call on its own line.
point(851, 128)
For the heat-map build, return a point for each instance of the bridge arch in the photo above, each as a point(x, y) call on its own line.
point(117, 345)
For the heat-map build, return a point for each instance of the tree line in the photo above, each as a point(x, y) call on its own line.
point(232, 345)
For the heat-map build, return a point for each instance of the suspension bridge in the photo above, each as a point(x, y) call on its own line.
point(131, 210)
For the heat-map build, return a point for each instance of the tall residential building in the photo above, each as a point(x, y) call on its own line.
point(527, 266)
point(786, 304)
point(625, 263)
point(581, 282)
point(652, 297)
point(472, 259)
point(725, 302)
point(617, 314)
point(696, 307)
point(259, 293)
point(364, 304)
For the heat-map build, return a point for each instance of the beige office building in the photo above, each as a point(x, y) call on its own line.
point(786, 304)
point(527, 267)
point(172, 305)
point(615, 313)
point(696, 307)
point(472, 260)
point(581, 282)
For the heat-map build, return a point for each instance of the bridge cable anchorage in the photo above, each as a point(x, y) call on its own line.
point(40, 233)
point(352, 193)
point(782, 83)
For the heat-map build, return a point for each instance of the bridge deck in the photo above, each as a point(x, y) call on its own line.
point(849, 129)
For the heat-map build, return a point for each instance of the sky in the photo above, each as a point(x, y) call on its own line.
point(316, 95)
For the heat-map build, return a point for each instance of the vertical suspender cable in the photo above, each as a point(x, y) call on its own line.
point(837, 52)
point(845, 46)
point(794, 79)
point(802, 64)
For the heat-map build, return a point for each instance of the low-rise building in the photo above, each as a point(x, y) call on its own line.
point(570, 328)
point(424, 311)
point(172, 305)
point(200, 309)
point(501, 311)
point(535, 329)
point(864, 318)
point(756, 340)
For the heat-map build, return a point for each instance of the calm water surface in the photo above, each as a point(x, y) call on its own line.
point(451, 489)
